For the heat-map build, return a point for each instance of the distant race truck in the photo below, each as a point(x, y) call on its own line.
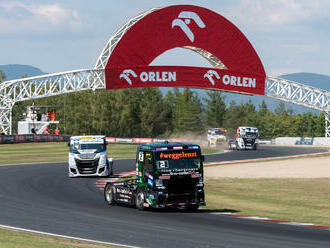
point(167, 175)
point(246, 139)
point(88, 156)
point(216, 136)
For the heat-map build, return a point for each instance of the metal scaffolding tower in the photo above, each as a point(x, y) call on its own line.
point(44, 86)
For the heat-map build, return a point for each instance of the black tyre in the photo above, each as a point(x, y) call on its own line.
point(109, 194)
point(140, 200)
point(193, 207)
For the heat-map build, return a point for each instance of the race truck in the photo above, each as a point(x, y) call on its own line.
point(216, 136)
point(246, 138)
point(167, 175)
point(88, 156)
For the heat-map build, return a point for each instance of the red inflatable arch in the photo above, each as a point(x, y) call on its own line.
point(237, 65)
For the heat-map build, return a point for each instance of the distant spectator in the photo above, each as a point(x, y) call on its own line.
point(57, 131)
point(52, 115)
point(46, 131)
point(33, 130)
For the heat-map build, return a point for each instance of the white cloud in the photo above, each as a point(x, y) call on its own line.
point(267, 15)
point(18, 17)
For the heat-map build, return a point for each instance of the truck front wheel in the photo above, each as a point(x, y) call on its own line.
point(139, 200)
point(109, 194)
point(193, 207)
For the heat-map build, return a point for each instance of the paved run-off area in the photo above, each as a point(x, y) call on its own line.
point(307, 167)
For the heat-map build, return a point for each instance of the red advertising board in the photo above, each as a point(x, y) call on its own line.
point(142, 140)
point(110, 140)
point(191, 27)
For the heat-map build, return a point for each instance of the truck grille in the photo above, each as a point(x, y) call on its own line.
point(181, 198)
point(87, 166)
point(180, 184)
point(86, 156)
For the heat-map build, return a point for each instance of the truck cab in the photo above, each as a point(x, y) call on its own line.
point(167, 175)
point(216, 136)
point(88, 156)
point(246, 138)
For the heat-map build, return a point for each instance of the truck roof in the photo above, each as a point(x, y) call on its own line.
point(87, 137)
point(168, 146)
point(249, 128)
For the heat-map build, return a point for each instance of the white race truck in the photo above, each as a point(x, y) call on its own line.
point(246, 138)
point(88, 157)
point(216, 136)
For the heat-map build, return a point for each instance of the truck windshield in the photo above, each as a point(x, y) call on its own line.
point(251, 134)
point(177, 160)
point(219, 132)
point(94, 147)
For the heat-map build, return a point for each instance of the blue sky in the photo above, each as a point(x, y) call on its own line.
point(289, 35)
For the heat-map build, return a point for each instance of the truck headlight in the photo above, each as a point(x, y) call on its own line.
point(103, 160)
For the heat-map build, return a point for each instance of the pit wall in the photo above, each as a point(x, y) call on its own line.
point(316, 141)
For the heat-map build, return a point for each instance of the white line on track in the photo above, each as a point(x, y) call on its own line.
point(64, 236)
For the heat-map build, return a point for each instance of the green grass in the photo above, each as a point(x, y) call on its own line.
point(33, 152)
point(57, 152)
point(301, 200)
point(17, 239)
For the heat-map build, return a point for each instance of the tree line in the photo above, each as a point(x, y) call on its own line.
point(148, 112)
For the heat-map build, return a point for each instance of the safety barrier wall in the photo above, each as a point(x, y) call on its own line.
point(316, 141)
point(27, 138)
point(112, 140)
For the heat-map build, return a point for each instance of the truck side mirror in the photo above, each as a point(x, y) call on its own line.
point(68, 144)
point(203, 158)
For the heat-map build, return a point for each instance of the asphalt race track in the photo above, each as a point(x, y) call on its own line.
point(41, 197)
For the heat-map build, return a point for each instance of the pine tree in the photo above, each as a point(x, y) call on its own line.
point(215, 109)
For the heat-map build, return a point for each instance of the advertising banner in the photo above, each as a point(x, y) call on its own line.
point(29, 138)
point(124, 140)
point(37, 138)
point(183, 76)
point(110, 140)
point(142, 140)
point(8, 139)
point(19, 138)
point(237, 66)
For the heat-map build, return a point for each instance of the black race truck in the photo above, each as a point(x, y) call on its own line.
point(167, 175)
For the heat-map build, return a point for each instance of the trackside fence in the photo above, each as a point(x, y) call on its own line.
point(30, 138)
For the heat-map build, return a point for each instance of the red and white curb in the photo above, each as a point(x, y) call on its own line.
point(100, 183)
point(267, 158)
point(284, 222)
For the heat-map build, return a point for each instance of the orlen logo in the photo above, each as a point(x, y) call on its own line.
point(209, 74)
point(126, 73)
point(187, 16)
point(149, 76)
